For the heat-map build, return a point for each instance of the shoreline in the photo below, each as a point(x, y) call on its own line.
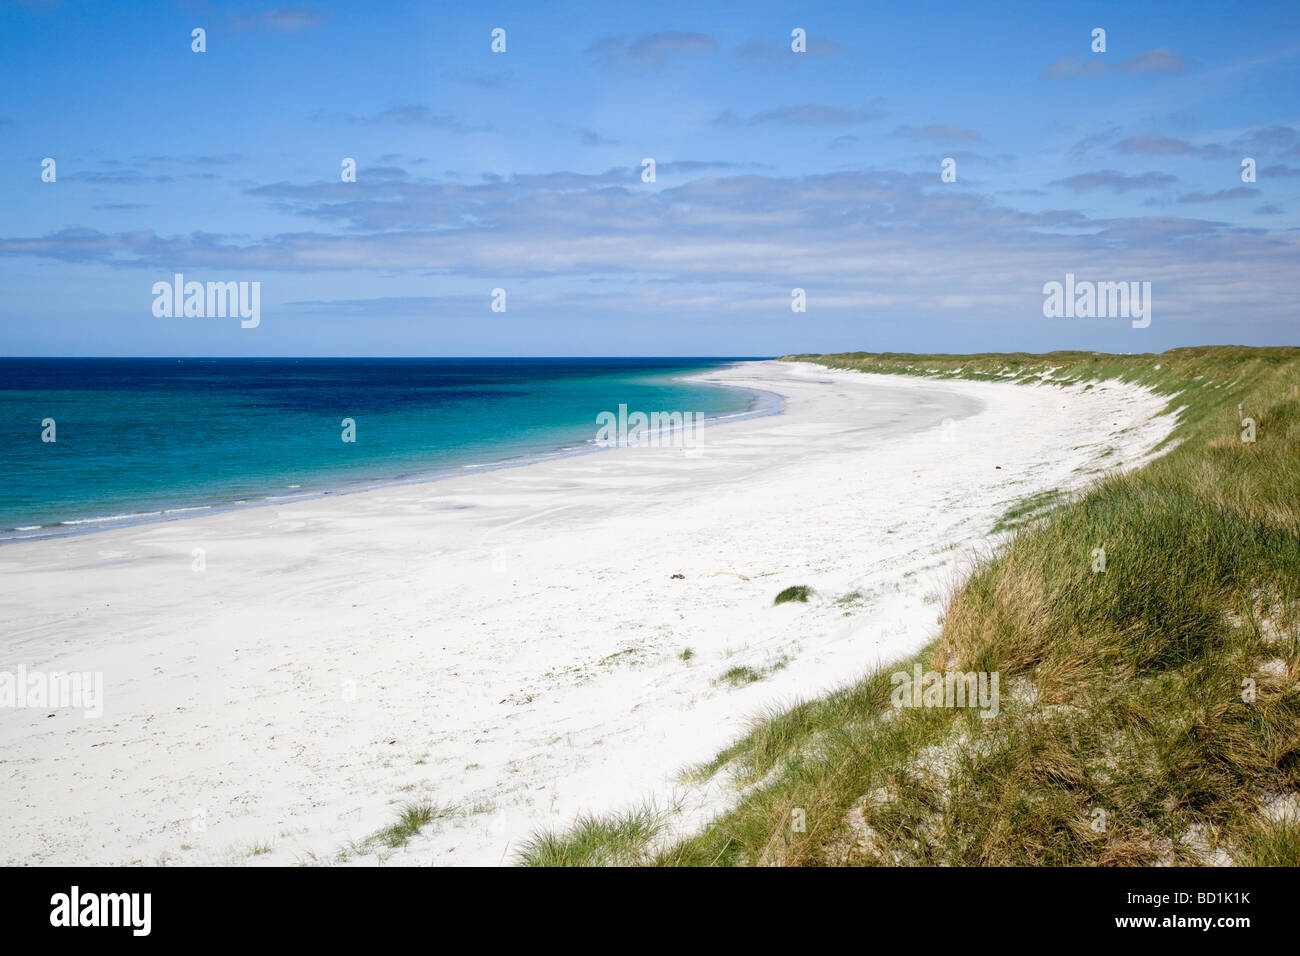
point(762, 403)
point(509, 644)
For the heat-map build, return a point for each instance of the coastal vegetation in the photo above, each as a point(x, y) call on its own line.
point(1147, 637)
point(797, 592)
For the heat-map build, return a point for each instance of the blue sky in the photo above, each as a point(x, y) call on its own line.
point(522, 170)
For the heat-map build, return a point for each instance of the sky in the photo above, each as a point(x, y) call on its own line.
point(523, 171)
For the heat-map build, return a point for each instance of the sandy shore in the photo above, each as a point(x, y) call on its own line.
point(508, 643)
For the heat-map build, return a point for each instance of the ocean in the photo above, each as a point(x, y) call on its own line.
point(152, 439)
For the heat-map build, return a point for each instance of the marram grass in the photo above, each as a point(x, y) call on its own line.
point(1150, 702)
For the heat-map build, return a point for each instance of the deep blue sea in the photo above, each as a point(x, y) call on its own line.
point(147, 439)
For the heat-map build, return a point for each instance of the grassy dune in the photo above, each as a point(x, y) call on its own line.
point(1149, 697)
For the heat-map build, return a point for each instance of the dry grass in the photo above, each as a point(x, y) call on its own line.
point(1149, 712)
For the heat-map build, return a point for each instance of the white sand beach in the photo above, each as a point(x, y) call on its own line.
point(509, 643)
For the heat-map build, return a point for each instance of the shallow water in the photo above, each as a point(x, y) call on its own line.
point(148, 439)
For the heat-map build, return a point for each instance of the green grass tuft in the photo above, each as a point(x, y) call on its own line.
point(412, 818)
point(606, 841)
point(1026, 510)
point(1272, 843)
point(799, 592)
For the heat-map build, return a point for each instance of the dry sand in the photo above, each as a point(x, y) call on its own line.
point(508, 642)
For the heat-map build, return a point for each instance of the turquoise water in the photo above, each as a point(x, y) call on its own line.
point(147, 439)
